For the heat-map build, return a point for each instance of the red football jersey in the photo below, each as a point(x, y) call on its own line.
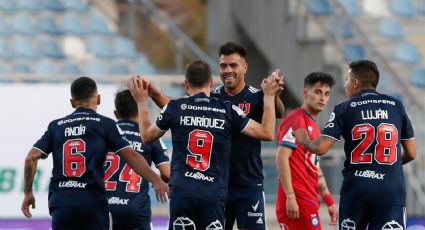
point(304, 165)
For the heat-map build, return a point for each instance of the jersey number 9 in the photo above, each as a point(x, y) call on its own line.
point(199, 146)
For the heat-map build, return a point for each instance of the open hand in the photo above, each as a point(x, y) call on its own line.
point(29, 200)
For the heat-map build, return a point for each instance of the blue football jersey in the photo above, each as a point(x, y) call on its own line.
point(372, 125)
point(127, 192)
point(201, 132)
point(246, 171)
point(79, 143)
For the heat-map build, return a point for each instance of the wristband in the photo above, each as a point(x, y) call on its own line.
point(329, 201)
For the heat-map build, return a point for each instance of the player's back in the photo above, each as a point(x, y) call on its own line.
point(79, 143)
point(202, 129)
point(372, 125)
point(246, 171)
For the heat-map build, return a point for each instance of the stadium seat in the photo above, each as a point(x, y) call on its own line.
point(342, 28)
point(25, 5)
point(100, 47)
point(51, 49)
point(21, 68)
point(45, 67)
point(72, 25)
point(95, 68)
point(70, 68)
point(4, 27)
point(422, 7)
point(124, 47)
point(353, 52)
point(143, 67)
point(22, 24)
point(384, 82)
point(8, 6)
point(4, 51)
point(390, 28)
point(407, 53)
point(96, 25)
point(418, 78)
point(48, 25)
point(53, 5)
point(75, 5)
point(24, 48)
point(320, 7)
point(403, 8)
point(352, 7)
point(119, 69)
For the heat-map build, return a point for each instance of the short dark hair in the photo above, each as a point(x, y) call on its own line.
point(198, 74)
point(125, 105)
point(365, 71)
point(321, 77)
point(230, 48)
point(83, 88)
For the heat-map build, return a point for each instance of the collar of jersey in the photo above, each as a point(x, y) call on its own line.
point(83, 109)
point(128, 121)
point(367, 91)
point(308, 115)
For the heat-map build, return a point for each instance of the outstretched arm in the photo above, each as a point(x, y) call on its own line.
point(29, 172)
point(159, 99)
point(327, 198)
point(318, 146)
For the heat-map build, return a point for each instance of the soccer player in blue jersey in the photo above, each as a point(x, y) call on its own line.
point(202, 129)
point(79, 144)
point(374, 126)
point(127, 192)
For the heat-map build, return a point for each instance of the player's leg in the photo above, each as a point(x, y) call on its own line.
point(387, 216)
point(250, 210)
point(183, 213)
point(229, 211)
point(80, 218)
point(210, 215)
point(353, 213)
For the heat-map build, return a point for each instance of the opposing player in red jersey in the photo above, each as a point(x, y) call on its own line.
point(300, 178)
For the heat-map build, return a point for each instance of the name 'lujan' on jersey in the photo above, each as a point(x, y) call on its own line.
point(372, 125)
point(201, 129)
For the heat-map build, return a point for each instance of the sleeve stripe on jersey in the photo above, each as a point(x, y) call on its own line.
point(288, 144)
point(246, 125)
point(412, 138)
point(329, 137)
point(159, 128)
point(116, 152)
point(165, 162)
point(40, 151)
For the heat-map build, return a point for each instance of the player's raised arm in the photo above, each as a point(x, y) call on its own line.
point(265, 130)
point(159, 99)
point(139, 89)
point(319, 146)
point(29, 172)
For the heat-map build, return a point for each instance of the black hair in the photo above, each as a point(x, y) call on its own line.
point(365, 71)
point(198, 74)
point(83, 88)
point(321, 77)
point(125, 105)
point(230, 48)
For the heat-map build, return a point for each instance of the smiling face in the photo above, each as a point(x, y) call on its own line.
point(316, 98)
point(232, 71)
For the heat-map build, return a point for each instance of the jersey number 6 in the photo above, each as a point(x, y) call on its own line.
point(386, 144)
point(74, 163)
point(199, 146)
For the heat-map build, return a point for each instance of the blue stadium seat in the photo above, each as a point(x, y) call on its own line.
point(8, 6)
point(391, 28)
point(354, 52)
point(4, 27)
point(418, 78)
point(352, 7)
point(48, 25)
point(320, 7)
point(342, 28)
point(422, 7)
point(51, 49)
point(75, 5)
point(403, 8)
point(119, 69)
point(24, 48)
point(53, 5)
point(143, 67)
point(45, 67)
point(70, 68)
point(384, 82)
point(72, 25)
point(96, 25)
point(22, 24)
point(407, 53)
point(100, 47)
point(25, 5)
point(5, 53)
point(124, 47)
point(94, 68)
point(20, 68)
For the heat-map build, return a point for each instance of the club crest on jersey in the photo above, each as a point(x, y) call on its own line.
point(239, 111)
point(314, 220)
point(245, 107)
